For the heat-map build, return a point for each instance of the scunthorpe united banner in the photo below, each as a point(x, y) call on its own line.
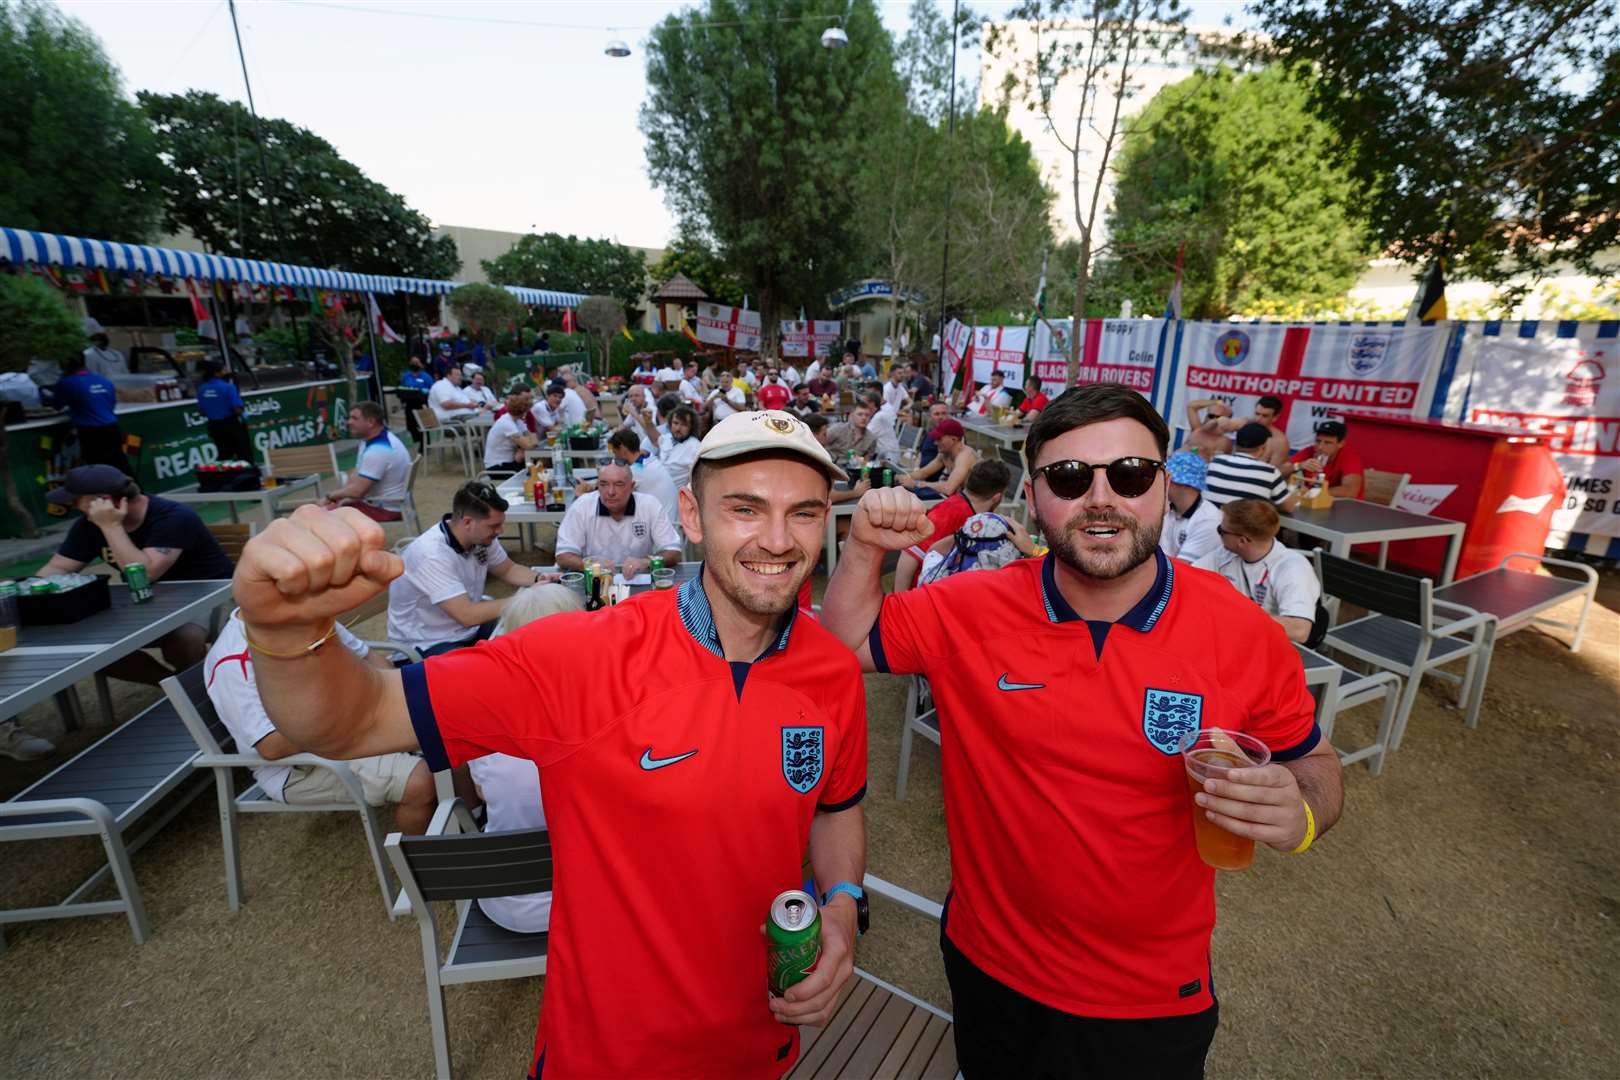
point(999, 348)
point(735, 328)
point(1113, 350)
point(1318, 370)
point(802, 337)
point(1557, 380)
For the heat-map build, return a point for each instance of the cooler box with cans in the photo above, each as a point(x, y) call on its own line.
point(1501, 482)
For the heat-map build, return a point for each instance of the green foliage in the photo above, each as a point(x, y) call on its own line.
point(1485, 131)
point(34, 321)
point(278, 344)
point(327, 212)
point(569, 264)
point(486, 310)
point(76, 156)
point(1238, 170)
point(754, 132)
point(693, 256)
point(602, 317)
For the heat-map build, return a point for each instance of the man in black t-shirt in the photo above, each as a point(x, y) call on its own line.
point(123, 526)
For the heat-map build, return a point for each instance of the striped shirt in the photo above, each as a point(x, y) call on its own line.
point(1238, 476)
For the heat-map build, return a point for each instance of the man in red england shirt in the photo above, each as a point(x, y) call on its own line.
point(1330, 456)
point(773, 393)
point(1076, 935)
point(681, 802)
point(1029, 410)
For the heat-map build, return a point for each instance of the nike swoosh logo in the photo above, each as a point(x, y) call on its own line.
point(1003, 684)
point(650, 763)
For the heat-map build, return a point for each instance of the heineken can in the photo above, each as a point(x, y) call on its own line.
point(794, 935)
point(656, 564)
point(140, 586)
point(888, 478)
point(42, 588)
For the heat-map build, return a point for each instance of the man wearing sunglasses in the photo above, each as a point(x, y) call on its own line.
point(1077, 931)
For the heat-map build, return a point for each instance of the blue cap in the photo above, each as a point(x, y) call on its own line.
point(1187, 469)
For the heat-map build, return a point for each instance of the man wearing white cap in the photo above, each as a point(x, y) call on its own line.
point(745, 731)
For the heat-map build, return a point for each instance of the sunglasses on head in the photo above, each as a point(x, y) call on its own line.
point(1129, 477)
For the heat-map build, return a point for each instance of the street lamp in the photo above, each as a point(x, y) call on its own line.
point(617, 48)
point(834, 38)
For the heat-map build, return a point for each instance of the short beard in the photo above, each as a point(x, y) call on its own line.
point(1061, 538)
point(732, 586)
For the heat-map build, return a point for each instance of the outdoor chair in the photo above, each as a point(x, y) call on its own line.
point(1337, 689)
point(1401, 634)
point(187, 695)
point(1517, 597)
point(1383, 487)
point(106, 790)
point(920, 718)
point(440, 436)
point(910, 436)
point(233, 536)
point(1013, 501)
point(407, 506)
point(287, 463)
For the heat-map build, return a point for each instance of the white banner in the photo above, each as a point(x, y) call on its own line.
point(1049, 355)
point(810, 337)
point(999, 348)
point(1565, 388)
point(1317, 371)
point(735, 328)
point(958, 344)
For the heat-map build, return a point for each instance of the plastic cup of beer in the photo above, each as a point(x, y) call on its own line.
point(1210, 754)
point(574, 580)
point(664, 578)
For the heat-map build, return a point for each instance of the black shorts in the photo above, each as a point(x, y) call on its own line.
point(1002, 1033)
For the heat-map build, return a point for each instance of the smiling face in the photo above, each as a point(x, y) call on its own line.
point(1100, 534)
point(760, 520)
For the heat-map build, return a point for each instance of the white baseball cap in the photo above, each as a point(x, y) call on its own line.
point(768, 429)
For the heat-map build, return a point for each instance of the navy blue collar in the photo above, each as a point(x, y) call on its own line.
point(698, 617)
point(629, 507)
point(380, 437)
point(1141, 618)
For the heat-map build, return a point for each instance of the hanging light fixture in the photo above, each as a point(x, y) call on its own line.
point(617, 48)
point(834, 38)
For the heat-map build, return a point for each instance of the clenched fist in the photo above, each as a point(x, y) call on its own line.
point(306, 570)
point(890, 519)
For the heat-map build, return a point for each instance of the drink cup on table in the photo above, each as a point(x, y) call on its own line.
point(1210, 754)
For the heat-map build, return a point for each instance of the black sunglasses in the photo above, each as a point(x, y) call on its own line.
point(1128, 476)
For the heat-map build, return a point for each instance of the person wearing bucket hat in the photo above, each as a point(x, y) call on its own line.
point(743, 730)
point(1191, 522)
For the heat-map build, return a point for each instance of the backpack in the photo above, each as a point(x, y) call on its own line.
point(984, 542)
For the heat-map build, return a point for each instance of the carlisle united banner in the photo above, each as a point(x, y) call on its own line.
point(999, 348)
point(810, 337)
point(735, 328)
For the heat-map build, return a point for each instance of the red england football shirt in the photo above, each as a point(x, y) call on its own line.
point(946, 516)
point(773, 395)
point(1345, 461)
point(1074, 875)
point(1030, 404)
point(680, 790)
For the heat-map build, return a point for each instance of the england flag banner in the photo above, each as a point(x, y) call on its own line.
point(1111, 350)
point(735, 328)
point(999, 348)
point(958, 344)
point(1563, 387)
point(1319, 371)
point(802, 337)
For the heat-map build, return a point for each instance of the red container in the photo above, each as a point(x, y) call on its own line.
point(1507, 485)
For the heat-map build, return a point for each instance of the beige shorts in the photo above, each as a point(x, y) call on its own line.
point(382, 778)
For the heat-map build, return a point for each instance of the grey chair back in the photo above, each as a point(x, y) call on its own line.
point(188, 693)
point(1399, 596)
point(471, 866)
point(1015, 470)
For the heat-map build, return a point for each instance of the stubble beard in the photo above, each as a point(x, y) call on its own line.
point(1065, 540)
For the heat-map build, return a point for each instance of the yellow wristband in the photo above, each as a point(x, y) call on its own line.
point(1310, 830)
point(307, 650)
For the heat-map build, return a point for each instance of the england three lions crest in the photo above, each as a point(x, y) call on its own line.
point(803, 756)
point(1167, 716)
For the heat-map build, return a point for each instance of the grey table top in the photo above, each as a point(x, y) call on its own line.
point(1009, 435)
point(125, 617)
point(1352, 516)
point(190, 494)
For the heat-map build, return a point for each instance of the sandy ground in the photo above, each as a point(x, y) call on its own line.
point(1460, 921)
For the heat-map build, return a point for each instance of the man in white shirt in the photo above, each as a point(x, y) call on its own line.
point(573, 406)
point(548, 411)
point(1277, 578)
point(578, 399)
point(1191, 522)
point(401, 780)
point(102, 359)
point(813, 370)
point(691, 387)
point(895, 393)
point(438, 603)
point(678, 446)
point(790, 374)
point(649, 473)
point(382, 472)
point(615, 525)
point(991, 396)
point(885, 416)
point(449, 400)
point(727, 398)
point(478, 390)
point(509, 436)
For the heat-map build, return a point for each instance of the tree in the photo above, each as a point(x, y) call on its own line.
point(321, 210)
point(1484, 132)
point(1084, 50)
point(33, 322)
point(76, 156)
point(754, 132)
point(1235, 168)
point(601, 317)
point(486, 309)
point(569, 264)
point(692, 255)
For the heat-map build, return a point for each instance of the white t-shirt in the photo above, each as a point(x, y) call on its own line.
point(1192, 537)
point(545, 415)
point(988, 398)
point(692, 393)
point(386, 462)
point(511, 787)
point(500, 446)
point(813, 370)
point(234, 691)
point(790, 375)
point(666, 375)
point(434, 572)
point(895, 394)
point(653, 478)
point(482, 394)
point(573, 407)
point(590, 531)
point(883, 426)
point(444, 392)
point(733, 400)
point(678, 457)
point(108, 362)
point(1282, 583)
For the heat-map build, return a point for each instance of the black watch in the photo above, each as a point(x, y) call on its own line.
point(863, 910)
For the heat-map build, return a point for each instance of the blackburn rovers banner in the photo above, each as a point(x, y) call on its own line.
point(1319, 371)
point(1111, 350)
point(1561, 380)
point(999, 348)
point(802, 337)
point(735, 328)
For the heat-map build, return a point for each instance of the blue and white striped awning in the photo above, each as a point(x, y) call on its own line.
point(24, 246)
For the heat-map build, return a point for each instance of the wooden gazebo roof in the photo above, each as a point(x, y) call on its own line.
point(680, 289)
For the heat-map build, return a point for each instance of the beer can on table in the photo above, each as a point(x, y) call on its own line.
point(793, 932)
point(657, 563)
point(888, 478)
point(140, 586)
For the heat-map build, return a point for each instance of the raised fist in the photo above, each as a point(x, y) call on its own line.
point(306, 570)
point(891, 519)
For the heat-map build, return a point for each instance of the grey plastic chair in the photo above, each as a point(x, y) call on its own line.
point(920, 718)
point(1013, 501)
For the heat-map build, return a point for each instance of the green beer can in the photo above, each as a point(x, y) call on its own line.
point(140, 586)
point(793, 933)
point(655, 564)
